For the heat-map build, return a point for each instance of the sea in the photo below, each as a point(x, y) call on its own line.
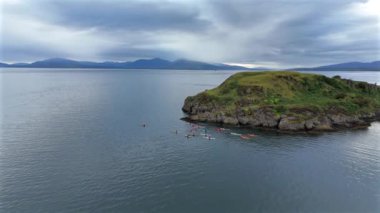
point(98, 140)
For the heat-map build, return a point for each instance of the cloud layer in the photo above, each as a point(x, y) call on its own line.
point(278, 33)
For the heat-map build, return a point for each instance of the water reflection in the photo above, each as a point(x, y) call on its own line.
point(72, 140)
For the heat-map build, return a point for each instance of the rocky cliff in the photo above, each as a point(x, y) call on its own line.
point(288, 101)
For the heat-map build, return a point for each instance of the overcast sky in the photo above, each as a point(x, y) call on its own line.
point(277, 33)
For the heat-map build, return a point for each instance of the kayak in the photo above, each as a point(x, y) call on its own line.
point(209, 138)
point(248, 136)
point(220, 129)
point(237, 134)
point(244, 137)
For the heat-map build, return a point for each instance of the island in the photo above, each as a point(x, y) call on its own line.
point(287, 101)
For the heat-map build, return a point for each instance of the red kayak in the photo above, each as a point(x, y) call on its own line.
point(245, 137)
point(248, 136)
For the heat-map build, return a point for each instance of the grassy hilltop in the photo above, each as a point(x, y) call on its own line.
point(296, 96)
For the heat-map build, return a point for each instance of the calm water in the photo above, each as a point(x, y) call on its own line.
point(71, 140)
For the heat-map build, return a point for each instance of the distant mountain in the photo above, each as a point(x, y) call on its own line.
point(350, 66)
point(155, 63)
point(4, 65)
point(55, 62)
point(181, 64)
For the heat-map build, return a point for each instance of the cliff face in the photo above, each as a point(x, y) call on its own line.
point(288, 101)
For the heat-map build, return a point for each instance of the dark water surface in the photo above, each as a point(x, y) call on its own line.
point(72, 141)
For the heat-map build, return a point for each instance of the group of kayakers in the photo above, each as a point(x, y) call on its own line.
point(195, 128)
point(203, 131)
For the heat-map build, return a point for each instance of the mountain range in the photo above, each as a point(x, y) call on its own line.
point(181, 64)
point(350, 66)
point(155, 63)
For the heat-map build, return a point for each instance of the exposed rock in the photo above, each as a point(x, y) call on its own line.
point(264, 117)
point(264, 105)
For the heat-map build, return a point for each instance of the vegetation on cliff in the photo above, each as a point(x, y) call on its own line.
point(288, 101)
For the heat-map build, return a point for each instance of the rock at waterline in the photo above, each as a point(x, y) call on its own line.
point(288, 101)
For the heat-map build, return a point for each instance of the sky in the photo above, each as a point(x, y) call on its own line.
point(254, 33)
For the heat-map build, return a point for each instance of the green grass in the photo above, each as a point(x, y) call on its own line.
point(286, 91)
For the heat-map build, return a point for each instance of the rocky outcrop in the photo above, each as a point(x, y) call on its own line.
point(287, 101)
point(266, 118)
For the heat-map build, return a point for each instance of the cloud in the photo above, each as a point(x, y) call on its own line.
point(282, 33)
point(297, 33)
point(128, 15)
point(25, 38)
